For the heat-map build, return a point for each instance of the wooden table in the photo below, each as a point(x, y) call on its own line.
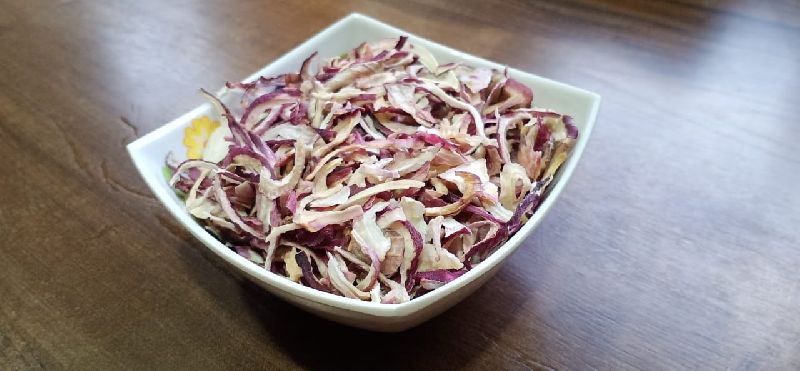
point(676, 245)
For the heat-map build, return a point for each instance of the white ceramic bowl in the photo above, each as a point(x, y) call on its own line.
point(148, 155)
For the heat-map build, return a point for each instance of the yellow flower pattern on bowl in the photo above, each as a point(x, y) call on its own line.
point(195, 137)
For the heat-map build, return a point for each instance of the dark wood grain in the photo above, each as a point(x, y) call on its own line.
point(676, 245)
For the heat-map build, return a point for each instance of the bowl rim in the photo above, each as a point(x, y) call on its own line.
point(137, 148)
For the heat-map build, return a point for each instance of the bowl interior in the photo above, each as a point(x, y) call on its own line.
point(148, 154)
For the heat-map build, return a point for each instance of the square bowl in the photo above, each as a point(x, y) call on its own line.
point(148, 155)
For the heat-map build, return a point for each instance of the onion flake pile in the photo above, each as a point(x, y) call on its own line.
point(380, 176)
